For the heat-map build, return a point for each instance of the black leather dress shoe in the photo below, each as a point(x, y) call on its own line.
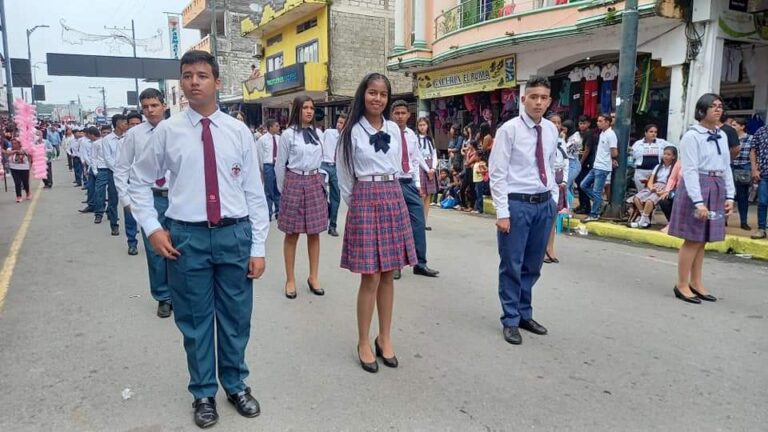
point(680, 295)
point(397, 275)
point(388, 362)
point(512, 335)
point(133, 250)
point(705, 297)
point(115, 230)
point(164, 309)
point(205, 412)
point(533, 327)
point(245, 404)
point(368, 367)
point(425, 271)
point(332, 232)
point(97, 219)
point(88, 209)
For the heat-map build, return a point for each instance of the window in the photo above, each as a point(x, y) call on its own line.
point(306, 25)
point(308, 53)
point(275, 62)
point(275, 39)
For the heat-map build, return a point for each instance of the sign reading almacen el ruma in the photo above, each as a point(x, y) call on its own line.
point(482, 76)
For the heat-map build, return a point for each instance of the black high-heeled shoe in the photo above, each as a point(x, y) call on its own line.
point(317, 292)
point(388, 362)
point(706, 297)
point(368, 367)
point(680, 295)
point(292, 295)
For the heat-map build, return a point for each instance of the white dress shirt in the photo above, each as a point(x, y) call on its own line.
point(109, 149)
point(128, 151)
point(296, 154)
point(330, 141)
point(428, 150)
point(176, 145)
point(86, 145)
point(641, 149)
point(265, 144)
point(699, 155)
point(415, 159)
point(97, 156)
point(74, 147)
point(512, 164)
point(366, 161)
point(606, 142)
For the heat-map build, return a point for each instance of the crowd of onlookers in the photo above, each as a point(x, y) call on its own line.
point(17, 161)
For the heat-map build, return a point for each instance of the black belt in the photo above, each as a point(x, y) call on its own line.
point(530, 198)
point(160, 193)
point(406, 180)
point(102, 169)
point(329, 163)
point(222, 223)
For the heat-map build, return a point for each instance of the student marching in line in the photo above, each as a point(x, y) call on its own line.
point(428, 179)
point(303, 205)
point(330, 141)
point(267, 145)
point(377, 236)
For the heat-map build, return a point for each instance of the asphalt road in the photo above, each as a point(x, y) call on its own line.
point(78, 327)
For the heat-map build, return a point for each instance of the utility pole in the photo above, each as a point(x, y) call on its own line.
point(133, 45)
point(8, 75)
point(627, 60)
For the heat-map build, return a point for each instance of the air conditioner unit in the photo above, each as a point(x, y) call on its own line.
point(258, 50)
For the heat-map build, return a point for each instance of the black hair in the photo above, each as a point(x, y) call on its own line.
point(399, 103)
point(741, 121)
point(198, 56)
point(485, 129)
point(358, 112)
point(650, 126)
point(133, 115)
point(152, 93)
point(116, 118)
point(583, 118)
point(294, 120)
point(702, 105)
point(538, 81)
point(570, 128)
point(234, 114)
point(270, 123)
point(92, 131)
point(106, 127)
point(457, 127)
point(606, 116)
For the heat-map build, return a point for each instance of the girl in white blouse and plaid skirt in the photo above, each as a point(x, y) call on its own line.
point(704, 197)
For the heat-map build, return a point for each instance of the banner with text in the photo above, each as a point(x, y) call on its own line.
point(483, 76)
point(173, 32)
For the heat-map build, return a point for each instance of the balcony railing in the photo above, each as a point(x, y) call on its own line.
point(471, 12)
point(203, 45)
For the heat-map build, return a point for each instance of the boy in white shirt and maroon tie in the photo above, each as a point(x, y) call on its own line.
point(525, 194)
point(267, 146)
point(214, 236)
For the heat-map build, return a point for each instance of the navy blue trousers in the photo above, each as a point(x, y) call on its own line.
point(522, 254)
point(131, 228)
point(156, 264)
point(416, 213)
point(334, 194)
point(77, 166)
point(209, 284)
point(90, 188)
point(270, 189)
point(105, 190)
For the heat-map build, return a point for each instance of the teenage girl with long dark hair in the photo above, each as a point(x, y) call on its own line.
point(428, 179)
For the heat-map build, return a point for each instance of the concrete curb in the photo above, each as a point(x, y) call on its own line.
point(758, 249)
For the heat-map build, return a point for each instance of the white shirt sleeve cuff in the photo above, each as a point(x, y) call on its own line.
point(152, 226)
point(502, 214)
point(258, 250)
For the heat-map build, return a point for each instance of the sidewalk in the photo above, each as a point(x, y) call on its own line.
point(736, 241)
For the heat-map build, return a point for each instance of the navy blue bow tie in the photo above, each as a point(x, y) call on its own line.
point(715, 136)
point(310, 136)
point(380, 141)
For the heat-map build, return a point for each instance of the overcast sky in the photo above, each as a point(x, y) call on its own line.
point(89, 16)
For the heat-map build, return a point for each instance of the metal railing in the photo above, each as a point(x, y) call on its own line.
point(471, 12)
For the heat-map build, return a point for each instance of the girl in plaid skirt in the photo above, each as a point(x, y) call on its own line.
point(428, 180)
point(303, 204)
point(704, 197)
point(377, 236)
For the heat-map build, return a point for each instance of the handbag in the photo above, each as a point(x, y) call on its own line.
point(742, 177)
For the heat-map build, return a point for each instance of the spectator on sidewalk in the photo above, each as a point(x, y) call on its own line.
point(480, 177)
point(654, 190)
point(574, 145)
point(605, 160)
point(455, 145)
point(53, 136)
point(742, 171)
point(427, 179)
point(330, 142)
point(704, 197)
point(19, 163)
point(647, 154)
point(561, 168)
point(589, 146)
point(759, 159)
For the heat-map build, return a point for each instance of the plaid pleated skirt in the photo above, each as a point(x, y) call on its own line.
point(427, 186)
point(685, 225)
point(303, 204)
point(377, 234)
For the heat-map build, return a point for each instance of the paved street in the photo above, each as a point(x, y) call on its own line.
point(78, 327)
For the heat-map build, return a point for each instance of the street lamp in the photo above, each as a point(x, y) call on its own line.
point(29, 52)
point(35, 67)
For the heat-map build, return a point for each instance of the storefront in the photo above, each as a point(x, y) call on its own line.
point(474, 93)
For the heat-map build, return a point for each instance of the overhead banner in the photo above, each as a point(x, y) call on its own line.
point(173, 32)
point(482, 76)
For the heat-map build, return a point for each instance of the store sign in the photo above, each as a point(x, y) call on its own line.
point(287, 78)
point(173, 33)
point(744, 26)
point(738, 5)
point(488, 75)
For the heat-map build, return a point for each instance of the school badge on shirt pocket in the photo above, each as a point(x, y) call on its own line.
point(235, 171)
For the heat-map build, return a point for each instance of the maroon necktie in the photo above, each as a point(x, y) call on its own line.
point(540, 155)
point(212, 204)
point(404, 159)
point(274, 149)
